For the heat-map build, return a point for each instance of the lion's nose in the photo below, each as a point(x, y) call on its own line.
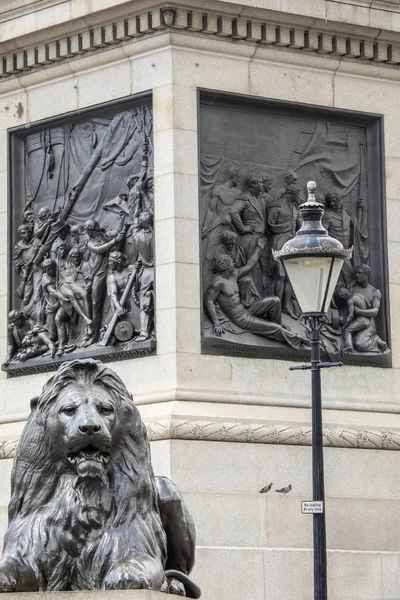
point(89, 429)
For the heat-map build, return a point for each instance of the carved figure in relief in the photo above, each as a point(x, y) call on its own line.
point(363, 305)
point(64, 320)
point(51, 297)
point(262, 317)
point(61, 259)
point(132, 198)
point(337, 220)
point(248, 216)
point(218, 217)
point(43, 223)
point(35, 343)
point(232, 248)
point(98, 248)
point(72, 291)
point(23, 255)
point(266, 184)
point(79, 238)
point(86, 512)
point(148, 204)
point(75, 287)
point(270, 267)
point(283, 222)
point(137, 198)
point(18, 327)
point(340, 225)
point(290, 184)
point(230, 245)
point(28, 218)
point(141, 237)
point(62, 237)
point(117, 278)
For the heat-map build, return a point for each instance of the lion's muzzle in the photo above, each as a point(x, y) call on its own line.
point(89, 429)
point(89, 460)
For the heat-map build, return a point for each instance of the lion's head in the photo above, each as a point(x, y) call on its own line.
point(85, 409)
point(83, 425)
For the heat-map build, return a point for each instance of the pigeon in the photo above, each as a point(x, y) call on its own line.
point(266, 488)
point(285, 490)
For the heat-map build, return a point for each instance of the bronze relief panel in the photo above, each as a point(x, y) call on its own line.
point(81, 243)
point(256, 157)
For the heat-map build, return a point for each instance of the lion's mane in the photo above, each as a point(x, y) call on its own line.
point(68, 532)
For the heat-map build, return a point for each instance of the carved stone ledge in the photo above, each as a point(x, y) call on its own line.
point(92, 595)
point(254, 433)
point(258, 433)
point(207, 23)
point(8, 448)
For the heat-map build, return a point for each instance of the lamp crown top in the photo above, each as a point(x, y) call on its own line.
point(312, 240)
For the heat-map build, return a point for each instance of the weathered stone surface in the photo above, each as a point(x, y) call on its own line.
point(231, 392)
point(105, 595)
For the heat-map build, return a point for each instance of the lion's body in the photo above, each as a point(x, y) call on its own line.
point(75, 539)
point(85, 516)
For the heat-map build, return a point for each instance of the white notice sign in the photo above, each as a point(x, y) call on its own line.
point(309, 508)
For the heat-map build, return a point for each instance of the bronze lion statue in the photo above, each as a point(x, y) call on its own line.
point(86, 511)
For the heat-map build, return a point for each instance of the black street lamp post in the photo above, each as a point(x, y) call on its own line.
point(313, 261)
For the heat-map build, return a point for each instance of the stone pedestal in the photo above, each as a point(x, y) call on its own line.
point(224, 426)
point(95, 595)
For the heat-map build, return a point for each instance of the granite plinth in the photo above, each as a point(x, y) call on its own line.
point(90, 595)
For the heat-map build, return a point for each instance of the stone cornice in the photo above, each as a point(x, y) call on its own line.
point(12, 9)
point(255, 433)
point(275, 30)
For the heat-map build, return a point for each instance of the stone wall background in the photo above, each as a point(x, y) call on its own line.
point(199, 408)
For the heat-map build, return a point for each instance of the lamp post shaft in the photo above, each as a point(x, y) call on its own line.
point(312, 261)
point(319, 531)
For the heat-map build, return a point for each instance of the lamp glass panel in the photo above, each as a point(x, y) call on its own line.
point(313, 281)
point(336, 268)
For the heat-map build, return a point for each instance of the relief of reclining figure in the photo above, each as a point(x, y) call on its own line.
point(262, 317)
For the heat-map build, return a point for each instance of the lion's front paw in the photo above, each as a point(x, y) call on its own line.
point(16, 577)
point(136, 571)
point(126, 577)
point(8, 582)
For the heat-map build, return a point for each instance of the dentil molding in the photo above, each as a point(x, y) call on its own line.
point(365, 45)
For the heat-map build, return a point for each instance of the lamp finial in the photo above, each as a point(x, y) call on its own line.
point(311, 187)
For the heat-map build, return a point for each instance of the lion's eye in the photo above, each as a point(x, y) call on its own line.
point(105, 410)
point(69, 410)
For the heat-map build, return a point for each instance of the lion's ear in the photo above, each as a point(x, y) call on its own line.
point(34, 403)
